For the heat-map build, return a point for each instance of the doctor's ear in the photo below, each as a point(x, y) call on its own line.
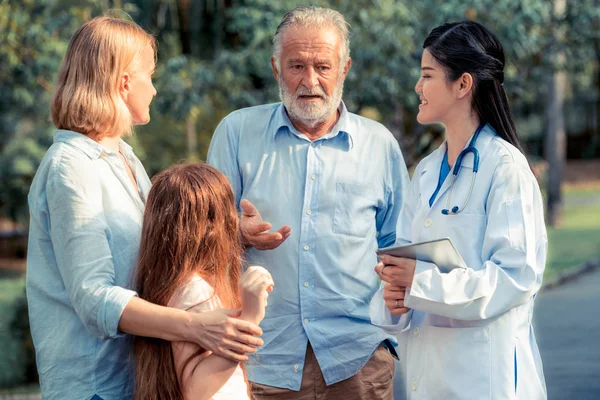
point(464, 84)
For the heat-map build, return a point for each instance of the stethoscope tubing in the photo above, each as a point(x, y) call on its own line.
point(470, 149)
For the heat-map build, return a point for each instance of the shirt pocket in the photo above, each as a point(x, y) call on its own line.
point(457, 362)
point(354, 213)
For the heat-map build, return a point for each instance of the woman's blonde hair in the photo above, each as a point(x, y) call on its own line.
point(87, 98)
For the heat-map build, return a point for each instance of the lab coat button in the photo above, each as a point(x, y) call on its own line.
point(308, 212)
point(313, 177)
point(296, 366)
point(427, 222)
point(306, 248)
point(306, 284)
point(306, 320)
point(414, 386)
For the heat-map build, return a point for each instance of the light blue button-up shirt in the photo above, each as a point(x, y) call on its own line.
point(84, 236)
point(341, 194)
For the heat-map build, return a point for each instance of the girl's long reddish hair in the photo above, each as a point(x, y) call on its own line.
point(190, 227)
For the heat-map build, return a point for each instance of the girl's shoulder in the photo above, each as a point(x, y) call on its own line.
point(196, 294)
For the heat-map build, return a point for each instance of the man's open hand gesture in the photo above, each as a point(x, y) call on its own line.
point(255, 232)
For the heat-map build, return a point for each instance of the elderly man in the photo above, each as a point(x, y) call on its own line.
point(334, 183)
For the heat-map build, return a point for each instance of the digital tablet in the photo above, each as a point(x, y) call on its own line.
point(441, 252)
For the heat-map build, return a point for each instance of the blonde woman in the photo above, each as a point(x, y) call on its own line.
point(86, 204)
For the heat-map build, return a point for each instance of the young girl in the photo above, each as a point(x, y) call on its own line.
point(86, 205)
point(190, 258)
point(467, 333)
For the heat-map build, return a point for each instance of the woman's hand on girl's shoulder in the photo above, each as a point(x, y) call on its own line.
point(255, 284)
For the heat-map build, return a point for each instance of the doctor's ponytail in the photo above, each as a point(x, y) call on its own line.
point(470, 47)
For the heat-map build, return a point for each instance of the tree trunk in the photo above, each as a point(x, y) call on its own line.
point(555, 148)
point(191, 139)
point(183, 15)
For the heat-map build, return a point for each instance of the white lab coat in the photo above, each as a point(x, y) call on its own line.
point(467, 327)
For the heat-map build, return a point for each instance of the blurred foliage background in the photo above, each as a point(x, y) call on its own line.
point(214, 57)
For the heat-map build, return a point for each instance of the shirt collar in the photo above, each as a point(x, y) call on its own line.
point(90, 147)
point(485, 136)
point(342, 127)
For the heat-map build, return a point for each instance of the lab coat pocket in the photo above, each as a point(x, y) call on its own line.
point(458, 363)
point(515, 219)
point(354, 213)
point(467, 232)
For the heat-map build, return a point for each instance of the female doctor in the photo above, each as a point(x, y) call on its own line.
point(466, 333)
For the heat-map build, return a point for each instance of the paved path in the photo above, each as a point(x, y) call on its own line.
point(567, 328)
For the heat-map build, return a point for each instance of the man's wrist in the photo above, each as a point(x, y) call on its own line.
point(245, 242)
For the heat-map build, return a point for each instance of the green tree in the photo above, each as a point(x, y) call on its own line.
point(33, 39)
point(214, 58)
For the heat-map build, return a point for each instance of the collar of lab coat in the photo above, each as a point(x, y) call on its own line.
point(431, 170)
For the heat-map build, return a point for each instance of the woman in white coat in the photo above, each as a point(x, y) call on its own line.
point(467, 333)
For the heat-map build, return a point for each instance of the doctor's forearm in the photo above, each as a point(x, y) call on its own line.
point(469, 295)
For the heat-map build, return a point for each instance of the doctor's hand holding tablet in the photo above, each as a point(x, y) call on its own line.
point(459, 287)
point(397, 267)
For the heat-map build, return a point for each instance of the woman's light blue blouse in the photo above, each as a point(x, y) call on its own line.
point(84, 234)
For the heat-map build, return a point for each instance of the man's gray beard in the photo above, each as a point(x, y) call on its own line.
point(307, 113)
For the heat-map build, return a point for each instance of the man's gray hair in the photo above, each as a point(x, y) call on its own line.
point(313, 17)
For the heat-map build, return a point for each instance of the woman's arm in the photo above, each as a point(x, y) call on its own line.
point(219, 331)
point(84, 258)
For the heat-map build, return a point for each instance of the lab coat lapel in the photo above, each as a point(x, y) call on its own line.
point(466, 169)
point(431, 175)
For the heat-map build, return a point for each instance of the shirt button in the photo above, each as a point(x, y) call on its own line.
point(305, 248)
point(296, 366)
point(314, 144)
point(308, 212)
point(306, 284)
point(414, 386)
point(416, 331)
point(313, 177)
point(306, 320)
point(427, 222)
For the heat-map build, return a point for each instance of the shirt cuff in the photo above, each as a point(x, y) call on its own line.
point(421, 281)
point(383, 318)
point(115, 302)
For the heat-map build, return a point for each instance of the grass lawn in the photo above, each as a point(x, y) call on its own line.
point(578, 238)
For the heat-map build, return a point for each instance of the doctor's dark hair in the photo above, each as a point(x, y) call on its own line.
point(469, 47)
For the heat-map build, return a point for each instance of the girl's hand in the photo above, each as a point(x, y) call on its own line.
point(397, 271)
point(255, 284)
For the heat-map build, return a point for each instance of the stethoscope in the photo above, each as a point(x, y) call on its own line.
point(470, 149)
